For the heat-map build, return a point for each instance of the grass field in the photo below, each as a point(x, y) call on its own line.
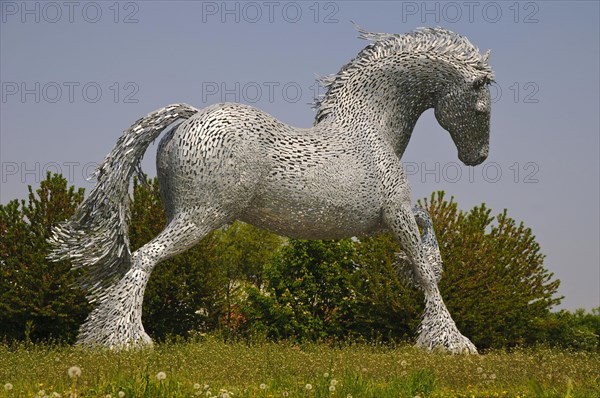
point(213, 368)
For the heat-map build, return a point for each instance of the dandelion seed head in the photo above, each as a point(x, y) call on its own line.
point(108, 396)
point(121, 394)
point(74, 371)
point(263, 386)
point(196, 386)
point(333, 382)
point(332, 388)
point(161, 376)
point(308, 386)
point(8, 386)
point(286, 394)
point(479, 370)
point(55, 395)
point(41, 393)
point(325, 375)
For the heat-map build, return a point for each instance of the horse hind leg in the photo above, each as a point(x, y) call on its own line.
point(117, 321)
point(437, 329)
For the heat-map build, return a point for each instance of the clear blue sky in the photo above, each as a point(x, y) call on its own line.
point(75, 75)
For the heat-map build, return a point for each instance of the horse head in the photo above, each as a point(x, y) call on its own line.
point(463, 110)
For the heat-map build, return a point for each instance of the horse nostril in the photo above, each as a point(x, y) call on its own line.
point(483, 156)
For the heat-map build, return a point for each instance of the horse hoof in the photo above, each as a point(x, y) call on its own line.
point(451, 342)
point(114, 342)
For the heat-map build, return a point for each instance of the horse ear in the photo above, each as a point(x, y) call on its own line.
point(486, 56)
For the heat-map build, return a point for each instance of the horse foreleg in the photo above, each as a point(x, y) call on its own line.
point(437, 329)
point(429, 243)
point(117, 320)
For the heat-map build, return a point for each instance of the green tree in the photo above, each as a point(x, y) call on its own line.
point(37, 297)
point(322, 290)
point(578, 330)
point(307, 292)
point(385, 307)
point(494, 282)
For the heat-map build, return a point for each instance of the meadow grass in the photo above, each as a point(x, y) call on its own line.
point(214, 368)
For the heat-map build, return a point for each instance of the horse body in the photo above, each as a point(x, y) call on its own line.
point(340, 178)
point(301, 183)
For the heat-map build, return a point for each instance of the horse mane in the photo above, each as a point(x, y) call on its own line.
point(438, 41)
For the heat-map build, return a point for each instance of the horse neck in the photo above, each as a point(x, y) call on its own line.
point(384, 104)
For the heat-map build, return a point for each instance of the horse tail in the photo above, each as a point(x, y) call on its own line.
point(96, 237)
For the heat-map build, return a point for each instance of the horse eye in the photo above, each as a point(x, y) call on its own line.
point(479, 83)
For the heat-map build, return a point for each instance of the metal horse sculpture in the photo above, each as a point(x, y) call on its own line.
point(340, 178)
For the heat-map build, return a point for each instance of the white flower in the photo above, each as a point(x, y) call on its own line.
point(308, 386)
point(332, 388)
point(333, 382)
point(223, 393)
point(8, 386)
point(161, 376)
point(121, 394)
point(196, 386)
point(263, 386)
point(74, 371)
